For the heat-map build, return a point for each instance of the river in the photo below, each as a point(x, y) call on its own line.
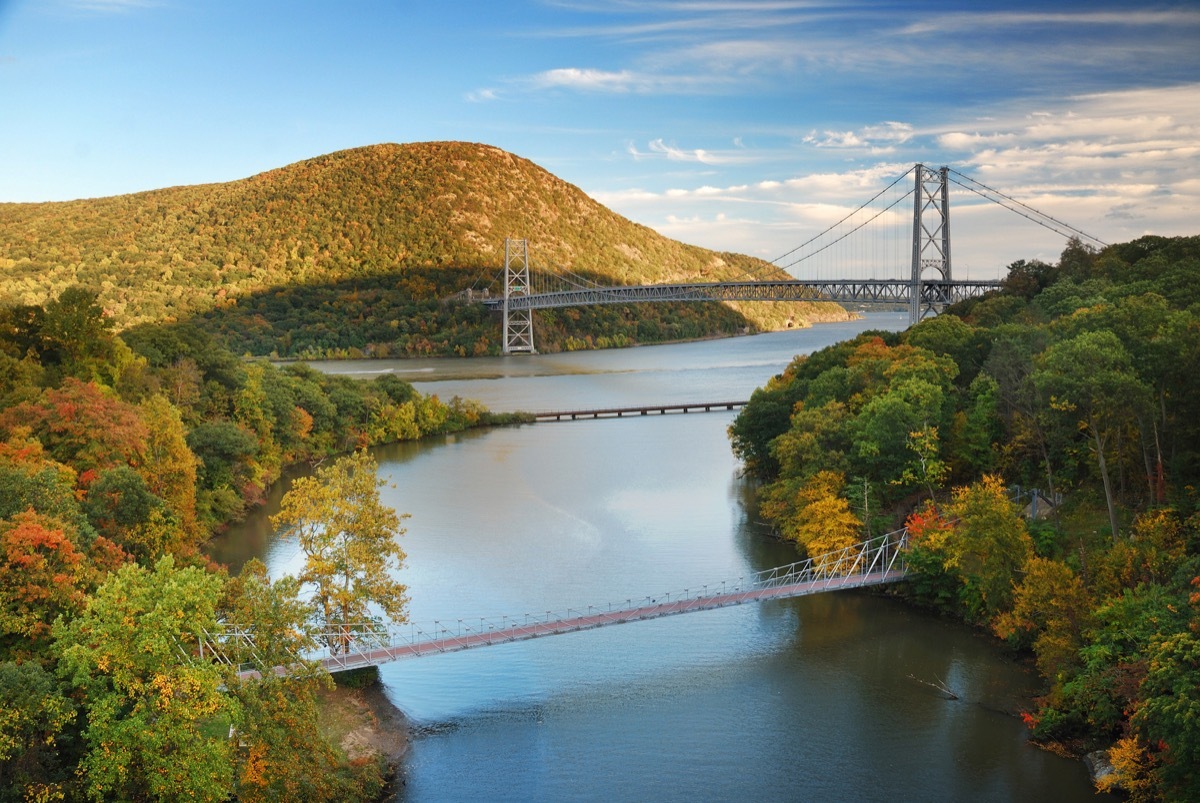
point(816, 698)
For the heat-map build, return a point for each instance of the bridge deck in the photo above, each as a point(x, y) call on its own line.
point(620, 412)
point(655, 609)
point(352, 645)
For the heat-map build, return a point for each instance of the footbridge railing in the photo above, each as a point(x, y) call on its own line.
point(353, 645)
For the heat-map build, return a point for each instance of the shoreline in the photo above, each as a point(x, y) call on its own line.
point(372, 726)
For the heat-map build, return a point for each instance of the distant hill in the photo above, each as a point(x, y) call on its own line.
point(401, 223)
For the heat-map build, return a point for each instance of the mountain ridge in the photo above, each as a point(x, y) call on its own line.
point(371, 212)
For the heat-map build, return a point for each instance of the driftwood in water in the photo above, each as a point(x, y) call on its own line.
point(939, 685)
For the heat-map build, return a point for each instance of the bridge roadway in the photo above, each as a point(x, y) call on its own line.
point(345, 646)
point(848, 291)
point(621, 412)
point(468, 637)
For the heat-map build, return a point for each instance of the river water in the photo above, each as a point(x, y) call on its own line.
point(816, 698)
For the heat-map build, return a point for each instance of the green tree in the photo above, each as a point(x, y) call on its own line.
point(1169, 714)
point(1089, 380)
point(157, 723)
point(988, 546)
point(281, 752)
point(36, 716)
point(349, 539)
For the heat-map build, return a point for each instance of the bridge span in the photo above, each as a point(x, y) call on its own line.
point(621, 412)
point(346, 646)
point(920, 276)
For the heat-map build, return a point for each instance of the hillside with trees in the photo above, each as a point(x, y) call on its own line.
point(356, 252)
point(1078, 380)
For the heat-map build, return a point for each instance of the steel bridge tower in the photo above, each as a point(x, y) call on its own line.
point(518, 323)
point(931, 241)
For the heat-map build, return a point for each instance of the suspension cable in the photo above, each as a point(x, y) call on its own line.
point(847, 234)
point(1041, 217)
point(847, 217)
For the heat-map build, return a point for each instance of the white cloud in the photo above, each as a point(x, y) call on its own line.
point(1116, 165)
point(660, 149)
point(482, 96)
point(587, 79)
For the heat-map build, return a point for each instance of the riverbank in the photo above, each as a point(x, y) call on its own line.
point(358, 716)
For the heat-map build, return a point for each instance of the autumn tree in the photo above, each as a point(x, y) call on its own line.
point(348, 537)
point(1049, 612)
point(43, 573)
point(988, 546)
point(82, 425)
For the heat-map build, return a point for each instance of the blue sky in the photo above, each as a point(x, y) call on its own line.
point(737, 125)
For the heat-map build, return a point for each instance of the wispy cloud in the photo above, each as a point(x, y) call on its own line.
point(482, 95)
point(587, 79)
point(966, 21)
point(660, 149)
point(111, 6)
point(687, 47)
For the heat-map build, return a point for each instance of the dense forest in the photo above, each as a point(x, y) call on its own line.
point(356, 253)
point(119, 456)
point(1079, 380)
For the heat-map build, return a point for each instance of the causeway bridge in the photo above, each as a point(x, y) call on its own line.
point(345, 646)
point(921, 280)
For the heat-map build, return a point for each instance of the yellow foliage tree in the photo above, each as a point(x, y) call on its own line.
point(348, 537)
point(820, 519)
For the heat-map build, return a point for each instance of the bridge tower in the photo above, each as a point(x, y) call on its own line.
point(518, 324)
point(931, 242)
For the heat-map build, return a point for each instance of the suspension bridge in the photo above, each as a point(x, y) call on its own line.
point(915, 268)
point(343, 646)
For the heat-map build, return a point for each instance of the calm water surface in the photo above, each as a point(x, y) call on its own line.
point(815, 698)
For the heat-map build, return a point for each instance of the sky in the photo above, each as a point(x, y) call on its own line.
point(737, 125)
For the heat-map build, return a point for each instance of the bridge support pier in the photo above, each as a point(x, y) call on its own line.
point(518, 324)
point(931, 243)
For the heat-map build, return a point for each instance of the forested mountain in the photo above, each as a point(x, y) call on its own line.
point(1080, 380)
point(344, 251)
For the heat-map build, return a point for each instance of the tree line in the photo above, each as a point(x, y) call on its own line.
point(1078, 379)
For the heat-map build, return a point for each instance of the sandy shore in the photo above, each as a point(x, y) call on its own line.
point(368, 724)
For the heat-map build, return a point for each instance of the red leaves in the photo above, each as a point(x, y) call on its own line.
point(82, 426)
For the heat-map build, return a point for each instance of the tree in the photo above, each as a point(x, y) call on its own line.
point(83, 426)
point(157, 723)
point(35, 715)
point(1090, 380)
point(824, 523)
point(170, 468)
point(1050, 605)
point(74, 333)
point(349, 541)
point(281, 753)
point(43, 574)
point(988, 546)
point(813, 513)
point(1169, 715)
